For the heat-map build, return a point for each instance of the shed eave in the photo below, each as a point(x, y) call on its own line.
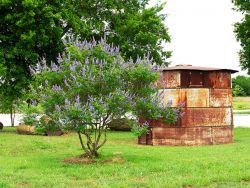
point(196, 68)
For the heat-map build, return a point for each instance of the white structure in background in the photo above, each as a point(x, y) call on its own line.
point(5, 119)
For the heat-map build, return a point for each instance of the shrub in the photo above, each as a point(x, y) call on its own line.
point(121, 124)
point(91, 85)
point(30, 114)
point(25, 129)
point(47, 126)
point(140, 130)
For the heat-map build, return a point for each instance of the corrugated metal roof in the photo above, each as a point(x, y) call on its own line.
point(190, 67)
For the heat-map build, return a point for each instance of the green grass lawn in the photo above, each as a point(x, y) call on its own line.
point(241, 103)
point(36, 161)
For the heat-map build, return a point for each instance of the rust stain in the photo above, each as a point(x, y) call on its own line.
point(169, 79)
point(221, 97)
point(145, 139)
point(217, 79)
point(196, 79)
point(192, 136)
point(191, 97)
point(193, 79)
point(206, 117)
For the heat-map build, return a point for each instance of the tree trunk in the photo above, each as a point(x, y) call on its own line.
point(12, 116)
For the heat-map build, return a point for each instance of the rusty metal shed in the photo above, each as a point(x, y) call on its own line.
point(208, 117)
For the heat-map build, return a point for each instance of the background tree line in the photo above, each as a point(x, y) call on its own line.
point(242, 31)
point(241, 86)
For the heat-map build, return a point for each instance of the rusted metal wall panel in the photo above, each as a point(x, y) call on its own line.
point(203, 79)
point(160, 123)
point(222, 135)
point(191, 97)
point(182, 136)
point(192, 136)
point(218, 79)
point(220, 97)
point(206, 117)
point(174, 95)
point(199, 97)
point(185, 79)
point(169, 79)
point(145, 139)
point(192, 79)
point(142, 140)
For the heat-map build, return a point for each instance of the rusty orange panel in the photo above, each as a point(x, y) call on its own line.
point(220, 97)
point(198, 97)
point(142, 140)
point(182, 136)
point(175, 95)
point(221, 132)
point(181, 132)
point(222, 135)
point(192, 136)
point(145, 139)
point(206, 117)
point(169, 79)
point(218, 79)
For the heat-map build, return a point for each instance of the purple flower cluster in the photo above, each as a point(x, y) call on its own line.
point(58, 108)
point(56, 88)
point(169, 103)
point(67, 102)
point(182, 104)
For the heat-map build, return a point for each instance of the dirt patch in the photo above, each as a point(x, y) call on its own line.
point(80, 160)
point(115, 160)
point(22, 184)
point(187, 186)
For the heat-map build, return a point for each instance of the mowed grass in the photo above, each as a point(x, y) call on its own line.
point(241, 103)
point(36, 161)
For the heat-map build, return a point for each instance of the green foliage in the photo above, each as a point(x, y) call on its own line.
point(140, 130)
point(242, 30)
point(140, 32)
point(30, 114)
point(47, 124)
point(238, 91)
point(241, 86)
point(241, 103)
point(30, 31)
point(121, 124)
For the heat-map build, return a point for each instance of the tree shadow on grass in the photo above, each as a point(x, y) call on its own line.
point(81, 160)
point(8, 130)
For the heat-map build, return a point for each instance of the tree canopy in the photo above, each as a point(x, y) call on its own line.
point(241, 86)
point(35, 29)
point(138, 30)
point(242, 30)
point(31, 29)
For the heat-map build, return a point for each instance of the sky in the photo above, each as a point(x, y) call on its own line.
point(202, 33)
